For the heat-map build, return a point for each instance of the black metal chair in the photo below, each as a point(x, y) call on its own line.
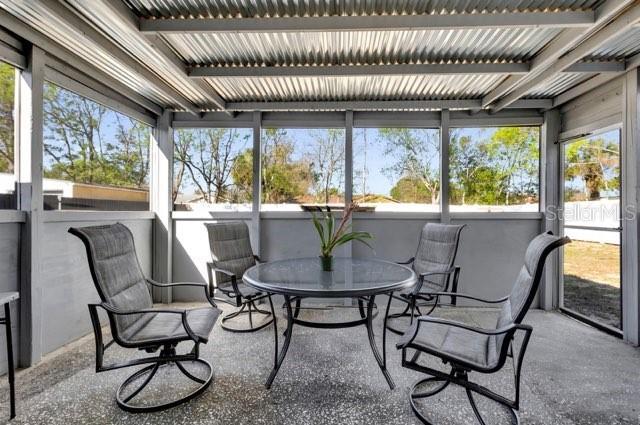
point(232, 255)
point(136, 323)
point(434, 263)
point(468, 348)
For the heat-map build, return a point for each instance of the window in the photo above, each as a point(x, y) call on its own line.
point(302, 167)
point(94, 158)
point(494, 169)
point(7, 134)
point(396, 169)
point(213, 169)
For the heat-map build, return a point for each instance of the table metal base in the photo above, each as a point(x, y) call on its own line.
point(366, 320)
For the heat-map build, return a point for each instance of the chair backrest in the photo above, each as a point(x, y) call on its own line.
point(230, 249)
point(437, 251)
point(115, 270)
point(526, 285)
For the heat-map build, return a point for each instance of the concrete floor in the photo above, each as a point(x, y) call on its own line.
point(573, 375)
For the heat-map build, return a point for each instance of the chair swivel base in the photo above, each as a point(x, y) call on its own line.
point(414, 395)
point(248, 308)
point(124, 402)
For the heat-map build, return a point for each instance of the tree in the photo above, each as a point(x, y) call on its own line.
point(466, 161)
point(413, 157)
point(283, 178)
point(412, 190)
point(327, 163)
point(208, 156)
point(596, 163)
point(499, 170)
point(86, 142)
point(7, 92)
point(242, 174)
point(512, 153)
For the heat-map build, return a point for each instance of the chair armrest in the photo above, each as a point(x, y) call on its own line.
point(182, 312)
point(458, 295)
point(409, 261)
point(438, 321)
point(422, 276)
point(171, 284)
point(186, 284)
point(234, 280)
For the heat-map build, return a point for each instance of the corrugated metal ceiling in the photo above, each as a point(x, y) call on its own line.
point(558, 85)
point(625, 45)
point(412, 87)
point(317, 48)
point(361, 47)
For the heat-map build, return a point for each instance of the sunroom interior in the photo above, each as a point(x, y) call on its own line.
point(512, 118)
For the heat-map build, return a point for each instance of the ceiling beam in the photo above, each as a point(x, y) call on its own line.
point(358, 70)
point(598, 67)
point(378, 105)
point(388, 69)
point(564, 19)
point(622, 23)
point(560, 45)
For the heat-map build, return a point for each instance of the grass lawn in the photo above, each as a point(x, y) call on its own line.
point(592, 281)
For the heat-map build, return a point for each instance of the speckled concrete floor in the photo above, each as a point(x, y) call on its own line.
point(574, 375)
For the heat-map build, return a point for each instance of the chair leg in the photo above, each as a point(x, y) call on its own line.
point(10, 371)
point(124, 402)
point(248, 307)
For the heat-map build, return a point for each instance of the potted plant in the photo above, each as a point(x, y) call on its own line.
point(332, 237)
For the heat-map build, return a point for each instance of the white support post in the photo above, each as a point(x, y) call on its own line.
point(161, 197)
point(257, 181)
point(630, 205)
point(550, 203)
point(444, 167)
point(348, 158)
point(348, 177)
point(29, 189)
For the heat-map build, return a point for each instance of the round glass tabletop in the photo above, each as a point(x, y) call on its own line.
point(350, 277)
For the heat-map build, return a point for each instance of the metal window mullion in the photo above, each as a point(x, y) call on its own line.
point(257, 182)
point(445, 216)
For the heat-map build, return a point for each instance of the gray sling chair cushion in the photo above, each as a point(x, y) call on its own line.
point(121, 284)
point(486, 352)
point(436, 252)
point(231, 251)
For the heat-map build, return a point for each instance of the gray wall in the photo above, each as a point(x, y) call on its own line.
point(9, 281)
point(491, 251)
point(67, 284)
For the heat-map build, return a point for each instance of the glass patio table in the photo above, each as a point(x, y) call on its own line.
point(361, 279)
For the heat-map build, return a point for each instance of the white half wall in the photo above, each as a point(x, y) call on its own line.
point(491, 251)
